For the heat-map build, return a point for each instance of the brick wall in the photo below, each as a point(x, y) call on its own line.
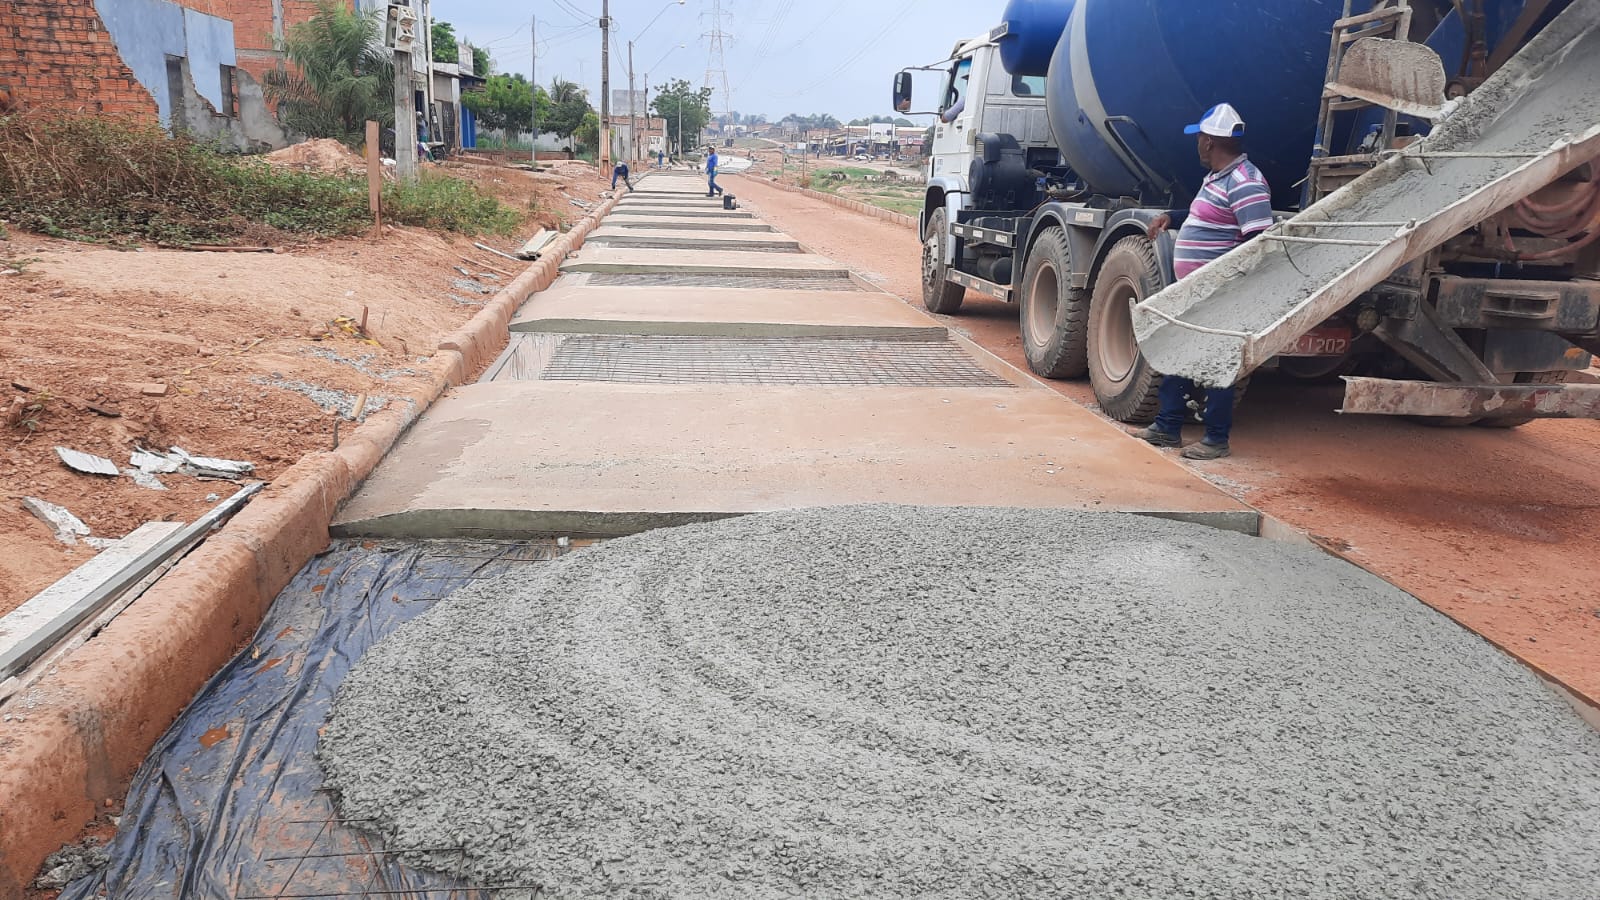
point(57, 53)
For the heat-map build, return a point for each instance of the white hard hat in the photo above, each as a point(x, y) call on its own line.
point(1221, 120)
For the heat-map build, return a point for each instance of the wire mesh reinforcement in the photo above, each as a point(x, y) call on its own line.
point(676, 359)
point(796, 281)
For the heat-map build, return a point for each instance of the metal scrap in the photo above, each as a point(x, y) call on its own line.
point(87, 463)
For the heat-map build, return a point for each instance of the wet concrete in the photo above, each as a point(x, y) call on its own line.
point(895, 702)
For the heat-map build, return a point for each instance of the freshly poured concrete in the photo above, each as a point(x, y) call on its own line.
point(748, 313)
point(876, 703)
point(536, 458)
point(634, 259)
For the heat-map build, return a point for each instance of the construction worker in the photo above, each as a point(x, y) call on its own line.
point(1233, 206)
point(711, 172)
point(621, 171)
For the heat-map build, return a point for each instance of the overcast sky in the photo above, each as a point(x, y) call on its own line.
point(800, 56)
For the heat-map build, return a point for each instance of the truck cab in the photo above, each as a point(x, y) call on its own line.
point(977, 97)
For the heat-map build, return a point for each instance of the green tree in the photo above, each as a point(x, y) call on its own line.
point(506, 103)
point(445, 48)
point(341, 75)
point(481, 63)
point(569, 106)
point(588, 130)
point(679, 98)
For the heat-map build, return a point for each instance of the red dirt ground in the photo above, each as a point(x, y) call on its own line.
point(1492, 527)
point(84, 322)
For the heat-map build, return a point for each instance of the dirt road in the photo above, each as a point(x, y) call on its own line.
point(1494, 528)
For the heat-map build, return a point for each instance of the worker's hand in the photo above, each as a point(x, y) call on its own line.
point(1157, 225)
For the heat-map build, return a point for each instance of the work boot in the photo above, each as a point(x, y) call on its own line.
point(1203, 450)
point(1157, 438)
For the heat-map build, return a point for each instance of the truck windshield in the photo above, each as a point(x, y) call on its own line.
point(1027, 86)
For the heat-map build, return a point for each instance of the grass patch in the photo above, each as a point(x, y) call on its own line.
point(444, 203)
point(92, 179)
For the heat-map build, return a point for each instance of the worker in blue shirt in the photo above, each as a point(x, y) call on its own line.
point(711, 172)
point(621, 171)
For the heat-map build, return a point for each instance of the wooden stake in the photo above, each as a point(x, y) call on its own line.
point(374, 177)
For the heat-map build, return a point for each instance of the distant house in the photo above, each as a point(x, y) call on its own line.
point(192, 65)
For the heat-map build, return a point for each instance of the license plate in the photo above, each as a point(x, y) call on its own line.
point(1328, 340)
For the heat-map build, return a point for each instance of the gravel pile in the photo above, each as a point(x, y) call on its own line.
point(893, 702)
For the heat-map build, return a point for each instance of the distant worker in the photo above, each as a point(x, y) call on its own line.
point(711, 172)
point(661, 159)
point(621, 171)
point(1233, 206)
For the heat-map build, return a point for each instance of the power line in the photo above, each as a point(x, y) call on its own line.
point(871, 42)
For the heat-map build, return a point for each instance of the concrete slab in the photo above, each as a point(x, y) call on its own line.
point(669, 239)
point(687, 232)
point(632, 260)
point(517, 459)
point(634, 212)
point(698, 223)
point(637, 199)
point(750, 313)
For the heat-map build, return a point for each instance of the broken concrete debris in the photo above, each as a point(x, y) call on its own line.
point(185, 463)
point(67, 527)
point(87, 463)
point(534, 245)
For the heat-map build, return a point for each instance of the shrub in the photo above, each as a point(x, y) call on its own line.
point(109, 179)
point(447, 204)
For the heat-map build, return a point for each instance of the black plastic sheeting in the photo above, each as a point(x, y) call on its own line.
point(230, 803)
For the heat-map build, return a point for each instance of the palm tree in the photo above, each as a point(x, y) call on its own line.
point(342, 76)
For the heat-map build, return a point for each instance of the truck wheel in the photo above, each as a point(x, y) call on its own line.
point(1557, 377)
point(939, 295)
point(1055, 315)
point(1125, 385)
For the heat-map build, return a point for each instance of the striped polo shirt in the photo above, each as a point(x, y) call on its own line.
point(1233, 204)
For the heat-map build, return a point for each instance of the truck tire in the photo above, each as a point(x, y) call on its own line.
point(939, 295)
point(1055, 315)
point(1127, 388)
point(1557, 377)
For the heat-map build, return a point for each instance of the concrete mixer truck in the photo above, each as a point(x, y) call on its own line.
point(1435, 174)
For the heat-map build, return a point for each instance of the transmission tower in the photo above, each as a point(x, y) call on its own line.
point(716, 60)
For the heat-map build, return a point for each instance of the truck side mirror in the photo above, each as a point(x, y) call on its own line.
point(902, 92)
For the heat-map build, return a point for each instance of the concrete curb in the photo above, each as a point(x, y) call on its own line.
point(877, 212)
point(77, 736)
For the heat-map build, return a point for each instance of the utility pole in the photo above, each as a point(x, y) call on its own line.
point(633, 117)
point(405, 116)
point(533, 93)
point(603, 157)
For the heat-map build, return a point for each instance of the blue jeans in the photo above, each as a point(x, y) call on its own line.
point(1174, 410)
point(625, 180)
point(713, 189)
